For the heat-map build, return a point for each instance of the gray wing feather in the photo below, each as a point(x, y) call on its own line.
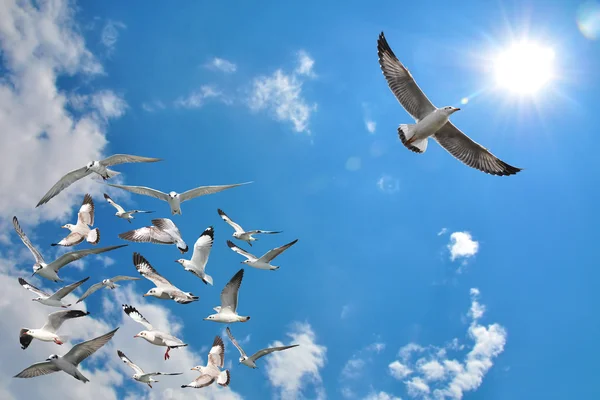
point(83, 350)
point(65, 290)
point(76, 255)
point(264, 352)
point(229, 295)
point(204, 190)
point(37, 369)
point(90, 290)
point(36, 254)
point(56, 319)
point(148, 234)
point(63, 183)
point(126, 158)
point(143, 190)
point(32, 288)
point(271, 254)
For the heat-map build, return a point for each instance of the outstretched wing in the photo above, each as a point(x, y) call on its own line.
point(225, 218)
point(147, 234)
point(63, 183)
point(65, 290)
point(38, 369)
point(147, 271)
point(204, 190)
point(76, 255)
point(130, 363)
point(72, 239)
point(32, 288)
point(202, 381)
point(143, 190)
point(135, 315)
point(271, 254)
point(86, 211)
point(112, 203)
point(83, 350)
point(202, 248)
point(90, 290)
point(229, 295)
point(216, 355)
point(263, 232)
point(264, 352)
point(56, 319)
point(241, 251)
point(38, 257)
point(126, 158)
point(124, 278)
point(235, 343)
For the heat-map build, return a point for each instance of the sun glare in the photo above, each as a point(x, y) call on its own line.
point(524, 68)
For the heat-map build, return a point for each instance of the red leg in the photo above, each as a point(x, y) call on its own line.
point(167, 353)
point(57, 341)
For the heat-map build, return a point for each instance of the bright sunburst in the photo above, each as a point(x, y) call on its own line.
point(524, 68)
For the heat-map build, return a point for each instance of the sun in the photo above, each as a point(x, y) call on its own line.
point(524, 68)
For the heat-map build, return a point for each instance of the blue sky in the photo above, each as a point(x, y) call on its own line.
point(414, 276)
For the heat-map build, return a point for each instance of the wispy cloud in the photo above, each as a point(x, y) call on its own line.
point(442, 232)
point(153, 106)
point(435, 373)
point(370, 125)
point(292, 371)
point(110, 34)
point(222, 65)
point(388, 184)
point(281, 95)
point(381, 396)
point(462, 245)
point(346, 309)
point(352, 376)
point(198, 98)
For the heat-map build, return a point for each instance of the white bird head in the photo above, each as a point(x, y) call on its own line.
point(67, 226)
point(242, 359)
point(105, 281)
point(153, 292)
point(197, 368)
point(449, 110)
point(52, 357)
point(173, 194)
point(210, 317)
point(37, 299)
point(246, 262)
point(180, 261)
point(36, 269)
point(142, 334)
point(236, 234)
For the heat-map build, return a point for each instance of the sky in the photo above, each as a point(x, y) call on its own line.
point(414, 276)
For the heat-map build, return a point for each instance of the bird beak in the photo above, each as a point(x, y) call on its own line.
point(457, 109)
point(145, 295)
point(206, 319)
point(135, 336)
point(241, 262)
point(177, 261)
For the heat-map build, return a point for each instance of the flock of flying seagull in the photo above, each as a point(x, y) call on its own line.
point(162, 231)
point(430, 122)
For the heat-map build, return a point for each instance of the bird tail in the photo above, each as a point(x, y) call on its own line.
point(115, 285)
point(224, 378)
point(244, 319)
point(81, 377)
point(111, 173)
point(194, 298)
point(406, 133)
point(207, 279)
point(93, 236)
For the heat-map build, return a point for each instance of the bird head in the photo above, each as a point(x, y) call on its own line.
point(106, 281)
point(152, 292)
point(89, 165)
point(142, 334)
point(197, 368)
point(450, 110)
point(210, 317)
point(242, 359)
point(236, 235)
point(52, 357)
point(67, 226)
point(245, 262)
point(173, 194)
point(36, 269)
point(180, 261)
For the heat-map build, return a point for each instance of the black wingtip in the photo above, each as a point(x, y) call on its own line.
point(106, 196)
point(54, 244)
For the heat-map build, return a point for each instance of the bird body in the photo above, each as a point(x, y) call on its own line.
point(164, 289)
point(227, 311)
point(162, 231)
point(240, 233)
point(121, 213)
point(202, 248)
point(263, 262)
point(55, 299)
point(139, 374)
point(251, 361)
point(81, 230)
point(47, 333)
point(107, 284)
point(212, 371)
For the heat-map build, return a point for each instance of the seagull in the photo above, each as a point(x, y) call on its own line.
point(50, 271)
point(199, 259)
point(251, 361)
point(81, 231)
point(175, 199)
point(157, 338)
point(121, 213)
point(140, 375)
point(54, 299)
point(431, 121)
point(164, 231)
point(98, 167)
point(164, 289)
point(47, 333)
point(240, 233)
point(264, 262)
point(212, 372)
point(69, 362)
point(227, 311)
point(106, 283)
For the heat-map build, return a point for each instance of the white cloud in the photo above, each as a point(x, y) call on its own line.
point(436, 374)
point(199, 97)
point(370, 125)
point(442, 232)
point(108, 104)
point(381, 396)
point(345, 311)
point(222, 65)
point(377, 347)
point(305, 64)
point(152, 106)
point(388, 184)
point(353, 368)
point(281, 95)
point(462, 245)
point(110, 34)
point(293, 370)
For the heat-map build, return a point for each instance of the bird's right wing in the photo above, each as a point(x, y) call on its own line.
point(124, 278)
point(143, 190)
point(112, 203)
point(76, 255)
point(147, 271)
point(204, 190)
point(241, 251)
point(126, 158)
point(216, 355)
point(63, 183)
point(32, 288)
point(234, 225)
point(202, 248)
point(271, 254)
point(86, 211)
point(264, 352)
point(130, 363)
point(91, 289)
point(83, 350)
point(37, 369)
point(72, 239)
point(235, 343)
point(36, 254)
point(65, 290)
point(229, 295)
point(147, 234)
point(135, 315)
point(202, 381)
point(56, 319)
point(401, 82)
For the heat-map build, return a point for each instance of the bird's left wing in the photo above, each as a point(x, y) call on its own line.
point(126, 158)
point(204, 190)
point(83, 350)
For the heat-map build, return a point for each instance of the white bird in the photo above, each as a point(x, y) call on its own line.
point(69, 362)
point(212, 372)
point(263, 262)
point(240, 233)
point(175, 199)
point(121, 213)
point(251, 361)
point(155, 337)
point(81, 231)
point(50, 271)
point(227, 311)
point(197, 264)
point(140, 375)
point(47, 333)
point(432, 121)
point(106, 283)
point(54, 299)
point(99, 167)
point(164, 231)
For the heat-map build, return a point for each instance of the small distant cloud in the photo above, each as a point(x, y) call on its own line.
point(399, 370)
point(353, 163)
point(442, 231)
point(381, 396)
point(353, 368)
point(462, 245)
point(376, 347)
point(370, 125)
point(109, 104)
point(110, 34)
point(199, 97)
point(152, 106)
point(345, 311)
point(417, 387)
point(305, 64)
point(388, 184)
point(222, 65)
